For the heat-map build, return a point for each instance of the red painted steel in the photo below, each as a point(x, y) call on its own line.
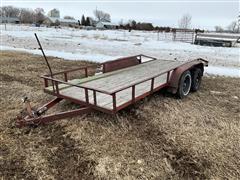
point(173, 76)
point(176, 74)
point(187, 65)
point(120, 64)
point(50, 118)
point(78, 101)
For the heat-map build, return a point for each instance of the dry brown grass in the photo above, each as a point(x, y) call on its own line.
point(160, 137)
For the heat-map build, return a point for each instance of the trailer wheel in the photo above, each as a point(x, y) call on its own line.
point(196, 79)
point(184, 84)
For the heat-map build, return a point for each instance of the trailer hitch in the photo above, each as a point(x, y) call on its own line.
point(37, 117)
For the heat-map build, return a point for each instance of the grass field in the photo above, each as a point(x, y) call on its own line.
point(159, 137)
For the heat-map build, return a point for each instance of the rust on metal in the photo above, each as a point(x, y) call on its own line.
point(177, 72)
point(120, 64)
point(50, 118)
point(173, 75)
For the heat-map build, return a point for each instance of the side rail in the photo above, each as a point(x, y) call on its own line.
point(124, 62)
point(106, 66)
point(90, 94)
point(95, 92)
point(153, 85)
point(85, 90)
point(66, 73)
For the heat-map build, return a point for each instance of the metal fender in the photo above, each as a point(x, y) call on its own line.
point(176, 73)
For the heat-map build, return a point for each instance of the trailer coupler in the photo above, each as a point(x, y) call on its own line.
point(37, 117)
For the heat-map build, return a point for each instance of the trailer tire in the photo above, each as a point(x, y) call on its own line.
point(184, 85)
point(196, 79)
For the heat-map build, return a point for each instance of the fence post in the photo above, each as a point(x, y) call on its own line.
point(174, 36)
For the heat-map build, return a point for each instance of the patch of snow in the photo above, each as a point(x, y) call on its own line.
point(216, 92)
point(96, 45)
point(223, 71)
point(235, 97)
point(64, 55)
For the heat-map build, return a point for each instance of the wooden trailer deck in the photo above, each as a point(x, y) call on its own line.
point(122, 82)
point(119, 82)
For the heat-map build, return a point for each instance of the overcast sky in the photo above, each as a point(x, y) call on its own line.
point(205, 14)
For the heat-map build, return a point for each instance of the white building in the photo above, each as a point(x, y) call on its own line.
point(106, 25)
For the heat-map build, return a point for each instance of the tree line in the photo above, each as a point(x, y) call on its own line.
point(25, 15)
point(37, 15)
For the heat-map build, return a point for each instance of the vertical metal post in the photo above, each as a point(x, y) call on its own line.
point(49, 67)
point(168, 74)
point(94, 97)
point(152, 84)
point(57, 89)
point(133, 93)
point(193, 38)
point(86, 95)
point(114, 102)
point(65, 77)
point(45, 82)
point(86, 72)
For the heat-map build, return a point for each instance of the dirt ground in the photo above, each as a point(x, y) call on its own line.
point(159, 137)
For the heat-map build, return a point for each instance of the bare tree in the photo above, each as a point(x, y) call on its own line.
point(26, 15)
point(218, 29)
point(185, 21)
point(39, 15)
point(10, 11)
point(68, 17)
point(101, 16)
point(1, 12)
point(233, 27)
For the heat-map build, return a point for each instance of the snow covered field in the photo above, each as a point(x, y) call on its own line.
point(105, 45)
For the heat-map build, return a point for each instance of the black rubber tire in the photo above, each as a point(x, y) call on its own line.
point(196, 79)
point(184, 85)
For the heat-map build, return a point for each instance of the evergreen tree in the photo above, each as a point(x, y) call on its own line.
point(83, 21)
point(88, 21)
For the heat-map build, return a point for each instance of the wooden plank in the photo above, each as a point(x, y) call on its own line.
point(132, 75)
point(121, 78)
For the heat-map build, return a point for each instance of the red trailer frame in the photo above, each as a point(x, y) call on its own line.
point(173, 76)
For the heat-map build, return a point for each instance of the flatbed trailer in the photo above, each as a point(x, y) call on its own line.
point(113, 85)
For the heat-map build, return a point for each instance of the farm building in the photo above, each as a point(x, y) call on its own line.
point(51, 21)
point(14, 20)
point(106, 25)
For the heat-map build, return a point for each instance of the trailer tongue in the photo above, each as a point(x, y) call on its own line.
point(120, 83)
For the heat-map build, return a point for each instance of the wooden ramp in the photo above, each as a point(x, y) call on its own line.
point(116, 80)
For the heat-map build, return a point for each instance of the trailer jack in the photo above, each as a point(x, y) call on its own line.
point(37, 117)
